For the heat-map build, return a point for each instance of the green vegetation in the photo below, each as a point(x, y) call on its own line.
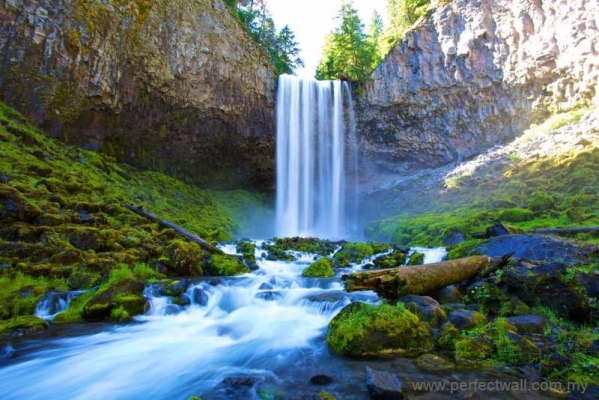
point(526, 194)
point(356, 252)
point(280, 46)
point(378, 330)
point(352, 54)
point(63, 225)
point(321, 268)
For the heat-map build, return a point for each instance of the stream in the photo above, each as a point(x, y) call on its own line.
point(256, 336)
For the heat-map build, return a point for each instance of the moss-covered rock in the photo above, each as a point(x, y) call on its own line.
point(126, 294)
point(394, 259)
point(416, 259)
point(226, 265)
point(361, 330)
point(184, 258)
point(321, 247)
point(474, 348)
point(356, 252)
point(433, 363)
point(22, 325)
point(321, 268)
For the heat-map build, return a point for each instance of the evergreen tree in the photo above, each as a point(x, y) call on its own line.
point(375, 32)
point(281, 47)
point(347, 53)
point(402, 14)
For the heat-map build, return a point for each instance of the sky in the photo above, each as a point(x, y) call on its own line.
point(312, 20)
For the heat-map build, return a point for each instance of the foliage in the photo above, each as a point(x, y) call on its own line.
point(347, 53)
point(280, 46)
point(321, 268)
point(364, 329)
point(402, 14)
point(527, 193)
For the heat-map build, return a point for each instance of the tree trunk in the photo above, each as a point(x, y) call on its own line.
point(421, 279)
point(182, 232)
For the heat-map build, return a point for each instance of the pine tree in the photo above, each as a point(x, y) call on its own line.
point(347, 53)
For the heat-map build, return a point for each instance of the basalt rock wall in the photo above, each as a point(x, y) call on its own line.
point(172, 85)
point(472, 74)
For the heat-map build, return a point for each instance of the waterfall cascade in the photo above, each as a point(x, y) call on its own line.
point(316, 156)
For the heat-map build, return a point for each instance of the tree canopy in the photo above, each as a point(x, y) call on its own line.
point(347, 53)
point(351, 53)
point(280, 46)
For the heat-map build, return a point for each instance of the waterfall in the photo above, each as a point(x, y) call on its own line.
point(315, 153)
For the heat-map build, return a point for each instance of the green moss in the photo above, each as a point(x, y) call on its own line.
point(447, 336)
point(21, 325)
point(19, 292)
point(356, 252)
point(367, 330)
point(474, 348)
point(516, 214)
point(184, 258)
point(321, 268)
point(416, 259)
point(227, 265)
point(307, 245)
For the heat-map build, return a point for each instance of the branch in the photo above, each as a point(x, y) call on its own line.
point(182, 232)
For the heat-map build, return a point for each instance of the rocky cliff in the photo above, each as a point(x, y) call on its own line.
point(172, 85)
point(473, 74)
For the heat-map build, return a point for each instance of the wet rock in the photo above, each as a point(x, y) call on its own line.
point(453, 237)
point(265, 286)
point(553, 360)
point(126, 294)
point(199, 296)
point(357, 331)
point(529, 324)
point(590, 283)
point(466, 319)
point(449, 294)
point(172, 309)
point(177, 287)
point(427, 308)
point(433, 363)
point(182, 300)
point(321, 380)
point(6, 351)
point(475, 348)
point(548, 285)
point(392, 260)
point(538, 248)
point(268, 295)
point(383, 385)
point(589, 392)
point(22, 326)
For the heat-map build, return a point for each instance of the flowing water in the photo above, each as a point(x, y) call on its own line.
point(316, 155)
point(266, 327)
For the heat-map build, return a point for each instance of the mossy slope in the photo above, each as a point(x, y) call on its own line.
point(554, 187)
point(63, 226)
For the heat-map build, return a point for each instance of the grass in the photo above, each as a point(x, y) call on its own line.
point(537, 193)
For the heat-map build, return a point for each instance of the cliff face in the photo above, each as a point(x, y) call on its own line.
point(174, 85)
point(476, 73)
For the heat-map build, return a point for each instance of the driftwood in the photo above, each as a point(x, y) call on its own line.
point(182, 232)
point(558, 231)
point(421, 279)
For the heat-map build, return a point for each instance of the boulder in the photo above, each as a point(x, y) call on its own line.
point(383, 385)
point(361, 330)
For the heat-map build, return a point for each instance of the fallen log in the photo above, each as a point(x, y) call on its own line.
point(182, 232)
point(421, 279)
point(582, 229)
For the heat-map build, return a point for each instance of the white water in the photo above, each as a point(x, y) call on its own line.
point(54, 303)
point(269, 325)
point(312, 159)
